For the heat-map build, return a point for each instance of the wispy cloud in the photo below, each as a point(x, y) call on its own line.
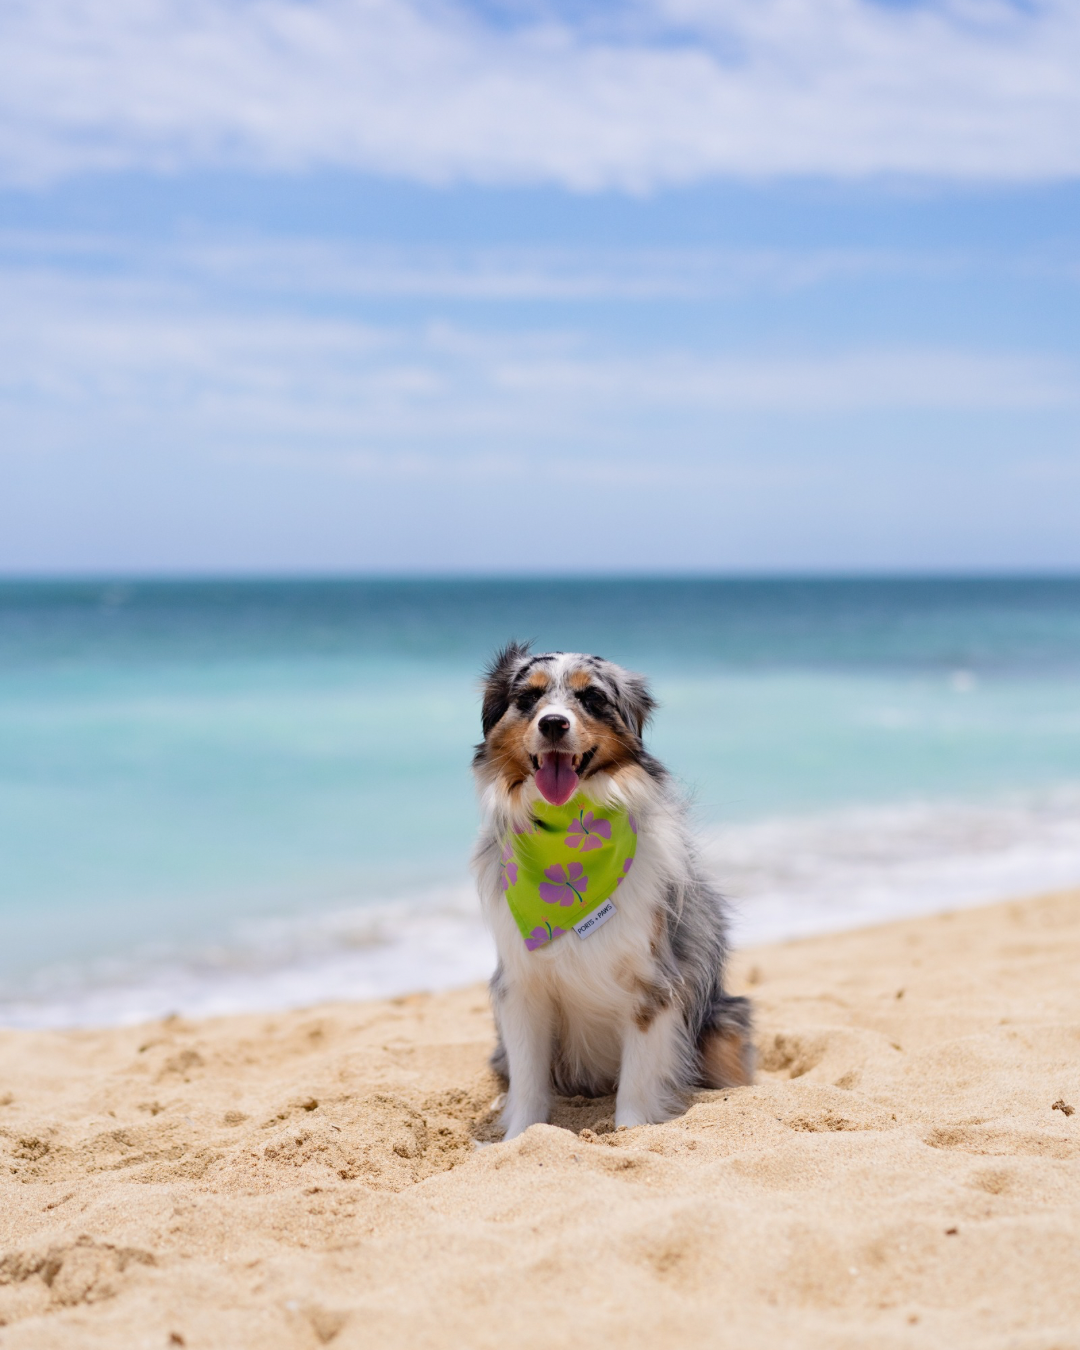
point(313, 268)
point(842, 382)
point(660, 92)
point(163, 364)
point(307, 270)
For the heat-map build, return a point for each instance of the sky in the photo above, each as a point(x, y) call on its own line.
point(516, 286)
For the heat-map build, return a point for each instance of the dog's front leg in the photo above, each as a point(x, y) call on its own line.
point(526, 1022)
point(652, 1056)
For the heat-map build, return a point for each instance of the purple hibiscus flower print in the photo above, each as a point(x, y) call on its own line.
point(564, 885)
point(542, 934)
point(508, 868)
point(625, 869)
point(588, 832)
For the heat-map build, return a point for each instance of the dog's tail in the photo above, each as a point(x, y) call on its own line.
point(726, 1045)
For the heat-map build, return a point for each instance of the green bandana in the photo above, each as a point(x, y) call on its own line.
point(562, 870)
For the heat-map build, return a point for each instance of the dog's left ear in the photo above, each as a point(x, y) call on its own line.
point(636, 703)
point(497, 681)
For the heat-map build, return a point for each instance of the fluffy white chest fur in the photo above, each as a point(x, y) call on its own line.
point(638, 1005)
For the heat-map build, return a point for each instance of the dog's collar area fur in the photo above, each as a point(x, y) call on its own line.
point(564, 865)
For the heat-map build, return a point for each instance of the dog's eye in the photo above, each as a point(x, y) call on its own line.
point(527, 700)
point(593, 700)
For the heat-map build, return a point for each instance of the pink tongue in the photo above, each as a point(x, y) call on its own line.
point(556, 778)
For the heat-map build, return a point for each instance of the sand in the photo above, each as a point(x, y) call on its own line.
point(899, 1175)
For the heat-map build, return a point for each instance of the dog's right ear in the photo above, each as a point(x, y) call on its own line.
point(497, 681)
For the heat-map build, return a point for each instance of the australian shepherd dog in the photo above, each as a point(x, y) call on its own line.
point(638, 1007)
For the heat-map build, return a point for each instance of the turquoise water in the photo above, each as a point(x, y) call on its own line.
point(212, 785)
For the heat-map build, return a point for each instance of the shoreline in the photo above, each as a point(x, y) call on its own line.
point(783, 876)
point(902, 1172)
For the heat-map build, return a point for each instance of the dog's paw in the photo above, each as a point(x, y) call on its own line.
point(656, 1112)
point(516, 1119)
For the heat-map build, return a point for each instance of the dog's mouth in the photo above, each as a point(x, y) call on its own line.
point(558, 774)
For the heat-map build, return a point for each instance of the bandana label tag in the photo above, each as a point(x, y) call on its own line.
point(593, 921)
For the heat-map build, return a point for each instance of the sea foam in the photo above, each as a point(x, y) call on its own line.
point(784, 878)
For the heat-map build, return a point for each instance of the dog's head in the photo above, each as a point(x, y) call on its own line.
point(559, 720)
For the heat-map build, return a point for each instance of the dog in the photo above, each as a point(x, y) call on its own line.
point(631, 999)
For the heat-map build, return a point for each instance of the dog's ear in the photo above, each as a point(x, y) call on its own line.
point(497, 681)
point(636, 703)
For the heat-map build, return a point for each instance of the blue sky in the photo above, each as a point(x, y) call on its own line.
point(790, 284)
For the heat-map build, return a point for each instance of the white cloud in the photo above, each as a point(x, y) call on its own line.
point(841, 382)
point(89, 356)
point(675, 91)
point(314, 268)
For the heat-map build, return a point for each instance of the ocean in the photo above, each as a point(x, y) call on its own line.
point(227, 795)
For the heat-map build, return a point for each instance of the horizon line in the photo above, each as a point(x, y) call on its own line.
point(352, 576)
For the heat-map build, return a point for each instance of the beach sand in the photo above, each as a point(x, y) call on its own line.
point(899, 1174)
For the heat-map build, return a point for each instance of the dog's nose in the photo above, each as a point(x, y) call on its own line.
point(554, 726)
